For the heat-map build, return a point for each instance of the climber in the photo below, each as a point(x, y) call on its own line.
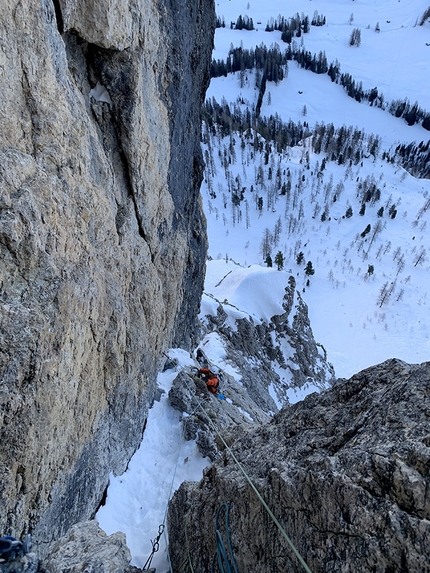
point(211, 380)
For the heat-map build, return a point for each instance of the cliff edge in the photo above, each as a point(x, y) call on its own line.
point(101, 235)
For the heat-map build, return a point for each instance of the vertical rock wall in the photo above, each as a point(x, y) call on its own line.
point(102, 237)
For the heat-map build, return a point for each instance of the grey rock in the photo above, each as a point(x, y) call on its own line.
point(205, 414)
point(346, 473)
point(102, 238)
point(286, 340)
point(29, 563)
point(87, 548)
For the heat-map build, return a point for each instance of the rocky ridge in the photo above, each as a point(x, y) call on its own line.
point(237, 414)
point(259, 352)
point(270, 355)
point(346, 473)
point(101, 237)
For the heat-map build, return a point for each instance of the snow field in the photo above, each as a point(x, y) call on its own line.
point(343, 298)
point(346, 316)
point(137, 500)
point(385, 59)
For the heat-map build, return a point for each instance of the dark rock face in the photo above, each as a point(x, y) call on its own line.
point(346, 473)
point(188, 77)
point(102, 238)
point(27, 564)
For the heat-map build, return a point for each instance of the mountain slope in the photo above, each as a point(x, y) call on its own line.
point(368, 294)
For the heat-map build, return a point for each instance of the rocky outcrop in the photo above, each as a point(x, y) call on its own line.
point(271, 355)
point(101, 236)
point(29, 563)
point(346, 473)
point(236, 413)
point(87, 548)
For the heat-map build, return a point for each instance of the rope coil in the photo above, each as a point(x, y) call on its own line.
point(225, 564)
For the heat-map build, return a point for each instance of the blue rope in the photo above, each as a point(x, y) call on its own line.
point(225, 564)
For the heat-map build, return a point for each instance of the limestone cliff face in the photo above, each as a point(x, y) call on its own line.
point(346, 473)
point(101, 234)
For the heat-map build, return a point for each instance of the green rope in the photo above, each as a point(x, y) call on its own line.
point(257, 493)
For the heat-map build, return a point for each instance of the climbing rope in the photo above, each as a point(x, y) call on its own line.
point(257, 493)
point(225, 564)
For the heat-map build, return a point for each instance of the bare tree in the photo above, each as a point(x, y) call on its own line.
point(266, 243)
point(421, 257)
point(248, 222)
point(400, 265)
point(386, 292)
point(397, 253)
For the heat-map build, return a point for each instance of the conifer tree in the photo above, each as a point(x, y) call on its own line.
point(366, 231)
point(392, 211)
point(309, 270)
point(355, 38)
point(279, 260)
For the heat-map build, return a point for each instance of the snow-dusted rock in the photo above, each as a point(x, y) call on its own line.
point(262, 323)
point(206, 414)
point(346, 473)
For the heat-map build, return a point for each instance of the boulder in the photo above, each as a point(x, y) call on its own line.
point(87, 548)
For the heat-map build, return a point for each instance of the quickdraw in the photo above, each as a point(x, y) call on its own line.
point(155, 546)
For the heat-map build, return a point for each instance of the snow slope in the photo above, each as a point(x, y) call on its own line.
point(345, 309)
point(137, 500)
point(395, 60)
